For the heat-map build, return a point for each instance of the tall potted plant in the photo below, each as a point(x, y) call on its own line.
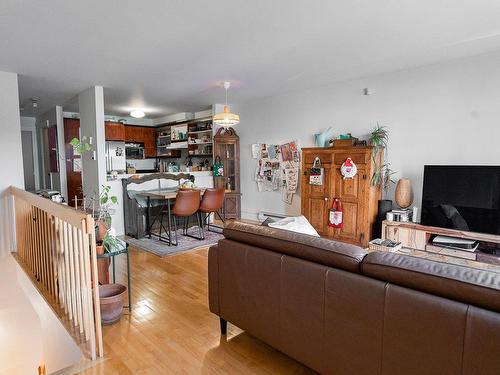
point(382, 172)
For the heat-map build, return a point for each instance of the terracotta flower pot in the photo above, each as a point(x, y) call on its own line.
point(101, 230)
point(111, 301)
point(404, 194)
point(99, 249)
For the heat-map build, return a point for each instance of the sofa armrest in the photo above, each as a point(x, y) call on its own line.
point(213, 279)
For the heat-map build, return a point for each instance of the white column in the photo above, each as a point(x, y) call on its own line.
point(11, 157)
point(61, 152)
point(91, 103)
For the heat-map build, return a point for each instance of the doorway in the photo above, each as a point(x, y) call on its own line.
point(28, 160)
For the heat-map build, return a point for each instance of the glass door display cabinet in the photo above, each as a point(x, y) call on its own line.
point(227, 156)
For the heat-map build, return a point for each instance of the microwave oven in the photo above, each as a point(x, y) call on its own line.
point(134, 151)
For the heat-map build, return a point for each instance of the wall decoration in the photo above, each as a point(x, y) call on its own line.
point(278, 168)
point(316, 173)
point(348, 169)
point(256, 151)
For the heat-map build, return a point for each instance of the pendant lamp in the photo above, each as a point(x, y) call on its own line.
point(226, 118)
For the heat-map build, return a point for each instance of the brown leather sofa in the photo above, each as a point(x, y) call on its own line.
point(342, 311)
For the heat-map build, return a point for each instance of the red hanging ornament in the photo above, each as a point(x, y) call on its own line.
point(348, 168)
point(335, 214)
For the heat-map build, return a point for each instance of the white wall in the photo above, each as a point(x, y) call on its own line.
point(61, 153)
point(91, 105)
point(441, 114)
point(43, 121)
point(29, 124)
point(11, 157)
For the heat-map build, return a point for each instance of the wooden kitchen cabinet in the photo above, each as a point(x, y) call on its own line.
point(359, 199)
point(114, 131)
point(133, 134)
point(149, 136)
point(145, 135)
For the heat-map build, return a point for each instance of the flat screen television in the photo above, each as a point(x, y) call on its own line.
point(462, 197)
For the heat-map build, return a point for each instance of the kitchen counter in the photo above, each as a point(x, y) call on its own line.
point(202, 179)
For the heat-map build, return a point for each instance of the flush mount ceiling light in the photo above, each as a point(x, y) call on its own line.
point(226, 118)
point(137, 113)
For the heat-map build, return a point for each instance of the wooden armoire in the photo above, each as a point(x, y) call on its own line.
point(359, 199)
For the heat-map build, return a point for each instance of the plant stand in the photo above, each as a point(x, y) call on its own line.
point(111, 255)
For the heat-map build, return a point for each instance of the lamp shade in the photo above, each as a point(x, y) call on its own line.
point(226, 118)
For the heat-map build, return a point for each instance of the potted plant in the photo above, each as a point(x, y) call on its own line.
point(382, 172)
point(111, 296)
point(102, 211)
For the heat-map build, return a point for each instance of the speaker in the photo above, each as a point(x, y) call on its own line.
point(384, 206)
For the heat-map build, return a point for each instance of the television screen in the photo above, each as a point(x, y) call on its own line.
point(462, 197)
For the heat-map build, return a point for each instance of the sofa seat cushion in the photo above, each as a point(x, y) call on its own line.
point(315, 249)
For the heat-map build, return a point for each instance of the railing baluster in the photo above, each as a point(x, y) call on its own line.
point(88, 276)
point(97, 308)
point(60, 265)
point(69, 300)
point(44, 249)
point(83, 282)
point(76, 266)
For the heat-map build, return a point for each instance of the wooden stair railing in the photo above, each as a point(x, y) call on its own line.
point(56, 245)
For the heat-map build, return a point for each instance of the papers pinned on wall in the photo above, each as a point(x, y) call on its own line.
point(277, 168)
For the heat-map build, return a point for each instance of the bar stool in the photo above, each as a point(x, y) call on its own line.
point(213, 201)
point(187, 203)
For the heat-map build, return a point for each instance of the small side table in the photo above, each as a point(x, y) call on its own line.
point(121, 249)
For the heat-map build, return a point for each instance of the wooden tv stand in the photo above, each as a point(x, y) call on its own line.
point(416, 236)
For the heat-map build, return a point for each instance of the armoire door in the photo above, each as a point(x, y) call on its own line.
point(351, 192)
point(316, 200)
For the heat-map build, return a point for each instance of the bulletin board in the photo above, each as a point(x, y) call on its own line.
point(277, 168)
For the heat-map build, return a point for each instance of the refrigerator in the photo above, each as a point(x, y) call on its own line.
point(115, 156)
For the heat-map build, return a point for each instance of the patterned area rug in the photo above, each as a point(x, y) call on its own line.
point(185, 243)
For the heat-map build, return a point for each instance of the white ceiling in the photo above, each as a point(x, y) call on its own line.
point(168, 55)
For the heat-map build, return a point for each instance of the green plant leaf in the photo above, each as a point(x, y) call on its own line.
point(74, 142)
point(114, 199)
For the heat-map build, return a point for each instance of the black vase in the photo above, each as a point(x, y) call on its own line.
point(384, 206)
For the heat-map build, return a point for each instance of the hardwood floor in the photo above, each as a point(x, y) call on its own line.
point(171, 330)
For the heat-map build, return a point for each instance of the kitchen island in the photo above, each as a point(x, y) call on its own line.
point(203, 179)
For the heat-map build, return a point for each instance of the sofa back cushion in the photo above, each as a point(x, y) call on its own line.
point(472, 286)
point(318, 250)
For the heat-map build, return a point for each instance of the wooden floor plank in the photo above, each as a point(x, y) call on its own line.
point(171, 330)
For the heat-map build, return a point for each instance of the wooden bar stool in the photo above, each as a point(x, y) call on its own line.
point(213, 201)
point(187, 203)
